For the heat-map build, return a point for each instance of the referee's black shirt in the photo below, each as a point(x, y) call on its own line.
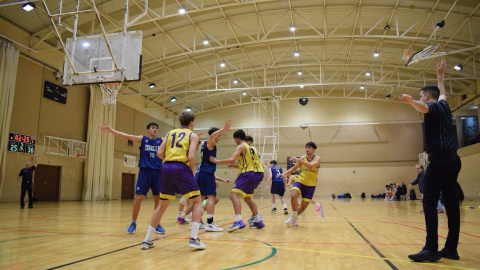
point(439, 133)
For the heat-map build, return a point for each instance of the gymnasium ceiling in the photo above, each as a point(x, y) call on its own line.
point(335, 40)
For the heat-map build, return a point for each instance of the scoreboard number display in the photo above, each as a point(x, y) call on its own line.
point(21, 143)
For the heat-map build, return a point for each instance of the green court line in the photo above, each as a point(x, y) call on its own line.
point(274, 251)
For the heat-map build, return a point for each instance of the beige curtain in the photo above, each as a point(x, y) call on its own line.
point(99, 158)
point(8, 75)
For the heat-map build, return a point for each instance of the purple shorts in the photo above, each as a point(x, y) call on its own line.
point(258, 177)
point(245, 184)
point(305, 191)
point(177, 176)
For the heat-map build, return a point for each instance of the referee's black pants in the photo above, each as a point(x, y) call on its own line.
point(441, 176)
point(25, 188)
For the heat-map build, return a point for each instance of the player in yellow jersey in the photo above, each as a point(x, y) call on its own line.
point(305, 183)
point(178, 154)
point(245, 182)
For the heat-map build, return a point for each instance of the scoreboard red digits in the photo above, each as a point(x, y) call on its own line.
point(21, 143)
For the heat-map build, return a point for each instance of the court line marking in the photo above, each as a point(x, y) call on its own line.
point(273, 253)
point(436, 264)
point(368, 242)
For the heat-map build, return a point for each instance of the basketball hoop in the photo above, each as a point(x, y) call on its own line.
point(110, 91)
point(426, 53)
point(81, 155)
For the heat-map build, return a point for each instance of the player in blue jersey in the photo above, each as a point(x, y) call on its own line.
point(205, 175)
point(277, 184)
point(149, 175)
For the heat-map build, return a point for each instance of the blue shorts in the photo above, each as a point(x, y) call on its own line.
point(148, 179)
point(177, 176)
point(278, 187)
point(245, 184)
point(206, 183)
point(258, 177)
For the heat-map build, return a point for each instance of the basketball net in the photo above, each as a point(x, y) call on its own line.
point(110, 91)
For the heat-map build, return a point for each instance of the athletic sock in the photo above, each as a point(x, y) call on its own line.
point(134, 221)
point(209, 218)
point(150, 232)
point(238, 217)
point(195, 227)
point(284, 205)
point(273, 205)
point(257, 218)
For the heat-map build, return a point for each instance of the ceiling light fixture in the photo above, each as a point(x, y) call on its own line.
point(28, 7)
point(205, 42)
point(458, 67)
point(376, 54)
point(296, 54)
point(299, 73)
point(182, 10)
point(173, 99)
point(151, 85)
point(235, 81)
point(301, 86)
point(222, 64)
point(362, 87)
point(368, 73)
point(440, 24)
point(244, 93)
point(292, 28)
point(188, 109)
point(387, 27)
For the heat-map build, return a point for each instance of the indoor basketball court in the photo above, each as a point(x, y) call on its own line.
point(80, 81)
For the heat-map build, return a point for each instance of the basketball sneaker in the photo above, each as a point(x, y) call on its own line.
point(257, 225)
point(250, 220)
point(274, 210)
point(213, 228)
point(291, 219)
point(180, 220)
point(285, 211)
point(159, 229)
point(188, 218)
point(132, 228)
point(294, 223)
point(196, 243)
point(318, 207)
point(147, 244)
point(237, 225)
point(202, 226)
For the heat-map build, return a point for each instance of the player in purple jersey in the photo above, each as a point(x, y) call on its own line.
point(150, 165)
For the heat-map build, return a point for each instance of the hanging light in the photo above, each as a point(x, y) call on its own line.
point(28, 7)
point(222, 64)
point(362, 87)
point(292, 28)
point(244, 93)
point(151, 85)
point(458, 67)
point(368, 73)
point(299, 73)
point(235, 81)
point(296, 54)
point(376, 54)
point(182, 10)
point(173, 99)
point(205, 42)
point(188, 109)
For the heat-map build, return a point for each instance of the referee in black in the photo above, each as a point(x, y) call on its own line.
point(26, 177)
point(442, 171)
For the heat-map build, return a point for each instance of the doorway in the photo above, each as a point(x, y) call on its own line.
point(46, 184)
point(128, 184)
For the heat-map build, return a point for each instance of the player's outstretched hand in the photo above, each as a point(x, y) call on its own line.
point(227, 125)
point(104, 128)
point(405, 98)
point(441, 66)
point(199, 133)
point(212, 159)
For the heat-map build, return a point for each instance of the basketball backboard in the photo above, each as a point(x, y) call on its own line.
point(90, 59)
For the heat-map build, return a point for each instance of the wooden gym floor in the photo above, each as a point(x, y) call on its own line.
point(355, 234)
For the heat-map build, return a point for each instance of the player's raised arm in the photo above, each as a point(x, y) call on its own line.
point(417, 105)
point(211, 139)
point(441, 66)
point(105, 128)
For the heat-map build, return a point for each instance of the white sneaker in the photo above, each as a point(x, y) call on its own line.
point(147, 244)
point(196, 243)
point(188, 218)
point(291, 219)
point(202, 226)
point(213, 228)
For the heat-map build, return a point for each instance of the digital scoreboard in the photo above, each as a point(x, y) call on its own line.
point(21, 143)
